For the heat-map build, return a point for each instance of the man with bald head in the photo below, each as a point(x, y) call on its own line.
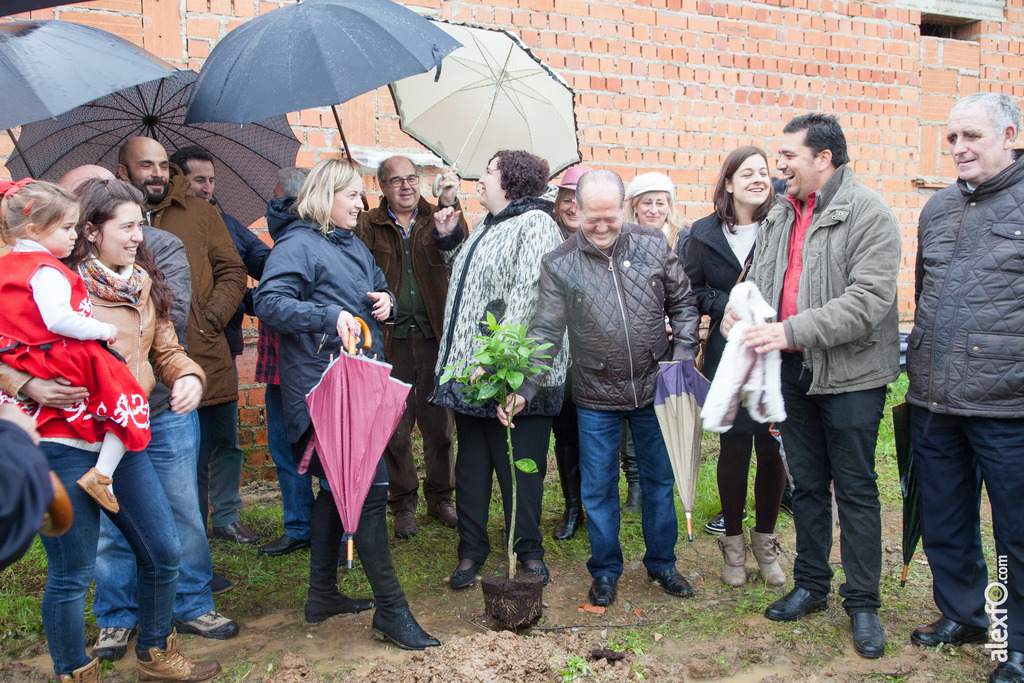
point(401, 235)
point(78, 175)
point(630, 279)
point(218, 284)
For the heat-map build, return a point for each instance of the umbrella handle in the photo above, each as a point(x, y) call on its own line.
point(352, 340)
point(350, 552)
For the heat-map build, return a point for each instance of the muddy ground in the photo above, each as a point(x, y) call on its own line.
point(720, 634)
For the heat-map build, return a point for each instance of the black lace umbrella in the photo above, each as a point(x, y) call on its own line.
point(246, 158)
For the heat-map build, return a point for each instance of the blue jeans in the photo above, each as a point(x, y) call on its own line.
point(146, 522)
point(296, 489)
point(600, 433)
point(219, 472)
point(173, 450)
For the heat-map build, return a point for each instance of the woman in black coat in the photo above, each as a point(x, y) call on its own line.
point(318, 278)
point(720, 246)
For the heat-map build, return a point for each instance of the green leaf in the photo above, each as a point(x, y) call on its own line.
point(526, 465)
point(487, 391)
point(515, 379)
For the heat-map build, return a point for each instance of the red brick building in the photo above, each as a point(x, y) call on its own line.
point(674, 85)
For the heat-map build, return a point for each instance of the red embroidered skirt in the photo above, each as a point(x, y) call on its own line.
point(116, 402)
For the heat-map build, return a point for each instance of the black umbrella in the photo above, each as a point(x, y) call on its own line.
point(908, 485)
point(246, 157)
point(9, 7)
point(313, 54)
point(49, 67)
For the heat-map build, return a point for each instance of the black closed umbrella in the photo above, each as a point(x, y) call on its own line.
point(246, 158)
point(49, 67)
point(908, 485)
point(313, 54)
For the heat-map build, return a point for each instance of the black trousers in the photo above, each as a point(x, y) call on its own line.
point(831, 438)
point(482, 453)
point(952, 456)
point(413, 361)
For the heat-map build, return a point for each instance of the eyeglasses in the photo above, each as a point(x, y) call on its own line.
point(397, 182)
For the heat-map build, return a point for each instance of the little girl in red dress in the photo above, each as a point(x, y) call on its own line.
point(47, 330)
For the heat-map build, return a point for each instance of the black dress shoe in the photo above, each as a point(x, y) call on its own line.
point(236, 532)
point(947, 632)
point(794, 605)
point(602, 591)
point(673, 583)
point(284, 545)
point(868, 635)
point(463, 578)
point(539, 568)
point(1010, 671)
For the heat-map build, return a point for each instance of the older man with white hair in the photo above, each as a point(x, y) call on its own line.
point(966, 367)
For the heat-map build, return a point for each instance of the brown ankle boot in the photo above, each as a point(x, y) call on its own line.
point(95, 484)
point(734, 559)
point(171, 665)
point(766, 551)
point(90, 673)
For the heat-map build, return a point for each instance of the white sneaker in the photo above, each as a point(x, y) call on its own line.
point(112, 643)
point(209, 625)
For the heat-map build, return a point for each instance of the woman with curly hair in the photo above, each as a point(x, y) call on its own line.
point(497, 271)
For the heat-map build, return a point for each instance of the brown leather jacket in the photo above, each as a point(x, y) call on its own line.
point(218, 282)
point(149, 345)
point(614, 308)
point(382, 237)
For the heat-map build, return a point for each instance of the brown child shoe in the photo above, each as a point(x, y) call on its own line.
point(95, 484)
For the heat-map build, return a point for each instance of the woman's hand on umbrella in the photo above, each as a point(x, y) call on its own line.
point(381, 305)
point(513, 404)
point(448, 184)
point(186, 393)
point(445, 220)
point(347, 327)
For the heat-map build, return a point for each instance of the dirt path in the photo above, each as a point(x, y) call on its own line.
point(719, 634)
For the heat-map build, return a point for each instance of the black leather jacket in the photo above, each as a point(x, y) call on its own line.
point(965, 354)
point(614, 308)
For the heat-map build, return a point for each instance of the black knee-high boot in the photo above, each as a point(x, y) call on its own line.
point(568, 459)
point(323, 598)
point(392, 620)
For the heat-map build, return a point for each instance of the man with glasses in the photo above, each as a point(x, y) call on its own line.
point(401, 235)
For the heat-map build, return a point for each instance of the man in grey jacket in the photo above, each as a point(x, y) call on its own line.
point(966, 366)
point(827, 260)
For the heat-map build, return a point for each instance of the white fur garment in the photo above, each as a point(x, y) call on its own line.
point(744, 376)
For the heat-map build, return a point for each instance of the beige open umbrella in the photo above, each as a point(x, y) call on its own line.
point(492, 94)
point(679, 394)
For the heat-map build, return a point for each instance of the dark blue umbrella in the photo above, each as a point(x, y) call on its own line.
point(9, 7)
point(50, 67)
point(313, 54)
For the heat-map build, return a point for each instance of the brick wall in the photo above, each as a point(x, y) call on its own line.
point(669, 85)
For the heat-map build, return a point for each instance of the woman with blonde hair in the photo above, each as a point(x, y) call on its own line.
point(650, 203)
point(318, 278)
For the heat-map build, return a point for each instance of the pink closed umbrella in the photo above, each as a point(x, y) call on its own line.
point(354, 409)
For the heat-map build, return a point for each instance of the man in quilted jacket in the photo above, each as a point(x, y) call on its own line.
point(966, 366)
point(612, 284)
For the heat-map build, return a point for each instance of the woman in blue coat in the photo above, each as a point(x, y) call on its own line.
point(318, 279)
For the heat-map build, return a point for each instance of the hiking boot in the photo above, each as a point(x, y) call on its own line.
point(405, 524)
point(90, 673)
point(210, 625)
point(112, 643)
point(170, 664)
